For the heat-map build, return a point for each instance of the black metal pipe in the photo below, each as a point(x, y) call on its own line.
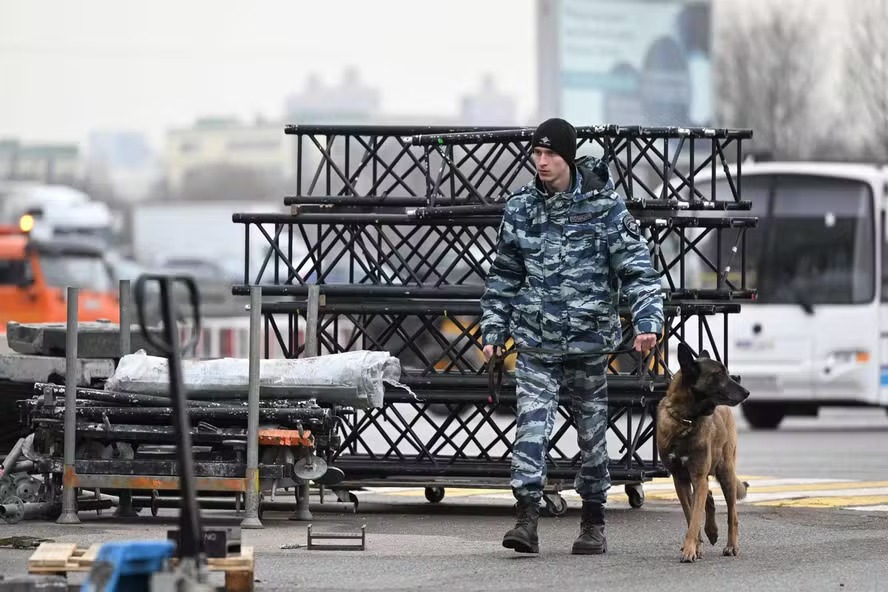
point(360, 218)
point(635, 205)
point(368, 291)
point(160, 434)
point(220, 416)
point(213, 504)
point(471, 221)
point(449, 293)
point(459, 211)
point(224, 396)
point(349, 201)
point(473, 395)
point(205, 435)
point(382, 130)
point(358, 468)
point(128, 398)
point(457, 382)
point(583, 133)
point(455, 307)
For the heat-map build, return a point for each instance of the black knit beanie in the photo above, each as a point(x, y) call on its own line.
point(558, 136)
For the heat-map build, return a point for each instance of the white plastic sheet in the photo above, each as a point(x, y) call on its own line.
point(366, 371)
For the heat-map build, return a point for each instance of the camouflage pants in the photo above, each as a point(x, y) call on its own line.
point(541, 384)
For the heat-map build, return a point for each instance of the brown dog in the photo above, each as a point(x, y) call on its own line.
point(696, 438)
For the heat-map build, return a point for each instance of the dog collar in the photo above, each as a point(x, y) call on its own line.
point(688, 422)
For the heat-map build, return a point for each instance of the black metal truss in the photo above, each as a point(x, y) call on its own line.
point(472, 438)
point(368, 160)
point(483, 165)
point(398, 227)
point(439, 340)
point(398, 249)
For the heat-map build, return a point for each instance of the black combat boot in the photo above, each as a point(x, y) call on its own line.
point(591, 540)
point(523, 538)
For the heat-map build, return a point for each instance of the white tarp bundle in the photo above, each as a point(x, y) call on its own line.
point(365, 371)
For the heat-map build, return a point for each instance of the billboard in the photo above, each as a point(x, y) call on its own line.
point(628, 62)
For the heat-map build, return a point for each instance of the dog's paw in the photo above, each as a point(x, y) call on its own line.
point(712, 533)
point(691, 553)
point(731, 550)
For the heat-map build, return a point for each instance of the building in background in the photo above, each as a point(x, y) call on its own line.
point(632, 62)
point(123, 163)
point(49, 163)
point(488, 107)
point(226, 147)
point(349, 102)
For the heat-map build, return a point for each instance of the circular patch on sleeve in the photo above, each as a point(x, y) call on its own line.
point(631, 226)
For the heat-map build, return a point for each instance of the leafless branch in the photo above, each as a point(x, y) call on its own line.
point(866, 72)
point(766, 78)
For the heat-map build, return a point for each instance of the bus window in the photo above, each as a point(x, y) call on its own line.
point(756, 190)
point(820, 243)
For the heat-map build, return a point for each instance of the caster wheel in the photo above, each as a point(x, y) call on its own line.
point(353, 500)
point(554, 505)
point(635, 492)
point(155, 499)
point(434, 494)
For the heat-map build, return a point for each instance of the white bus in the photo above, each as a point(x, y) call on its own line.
point(817, 333)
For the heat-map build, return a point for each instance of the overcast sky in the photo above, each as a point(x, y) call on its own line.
point(69, 66)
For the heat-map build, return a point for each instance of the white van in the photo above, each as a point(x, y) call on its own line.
point(817, 333)
point(55, 211)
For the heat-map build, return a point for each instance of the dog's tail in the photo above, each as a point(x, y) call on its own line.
point(742, 487)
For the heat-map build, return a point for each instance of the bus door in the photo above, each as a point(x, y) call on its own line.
point(882, 357)
point(773, 338)
point(819, 273)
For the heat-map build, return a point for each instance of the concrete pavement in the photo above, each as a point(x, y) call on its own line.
point(815, 520)
point(414, 545)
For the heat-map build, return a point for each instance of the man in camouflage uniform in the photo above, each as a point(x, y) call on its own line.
point(567, 247)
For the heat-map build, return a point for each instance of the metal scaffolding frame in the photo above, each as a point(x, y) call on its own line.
point(397, 225)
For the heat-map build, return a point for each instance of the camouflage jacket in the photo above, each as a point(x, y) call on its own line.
point(561, 263)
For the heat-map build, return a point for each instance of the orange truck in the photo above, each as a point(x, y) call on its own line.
point(35, 275)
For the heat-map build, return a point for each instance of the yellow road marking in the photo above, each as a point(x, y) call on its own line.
point(828, 502)
point(818, 486)
point(658, 480)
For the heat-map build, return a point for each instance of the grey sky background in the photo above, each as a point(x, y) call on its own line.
point(67, 67)
point(71, 66)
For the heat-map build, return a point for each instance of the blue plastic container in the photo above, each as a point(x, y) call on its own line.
point(127, 565)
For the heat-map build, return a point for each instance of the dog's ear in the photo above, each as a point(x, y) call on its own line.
point(686, 361)
point(704, 354)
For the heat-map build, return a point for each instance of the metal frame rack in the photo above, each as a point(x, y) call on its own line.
point(110, 441)
point(397, 226)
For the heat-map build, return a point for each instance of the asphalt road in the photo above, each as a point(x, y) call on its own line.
point(412, 546)
point(840, 443)
point(786, 543)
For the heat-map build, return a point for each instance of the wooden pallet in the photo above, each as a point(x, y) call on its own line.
point(64, 558)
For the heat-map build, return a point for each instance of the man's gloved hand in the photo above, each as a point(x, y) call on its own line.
point(645, 342)
point(489, 350)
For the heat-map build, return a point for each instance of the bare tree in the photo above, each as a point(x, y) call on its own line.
point(766, 77)
point(866, 73)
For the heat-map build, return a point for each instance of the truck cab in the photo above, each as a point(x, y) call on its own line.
point(35, 275)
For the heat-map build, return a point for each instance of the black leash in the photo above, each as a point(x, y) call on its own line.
point(495, 364)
